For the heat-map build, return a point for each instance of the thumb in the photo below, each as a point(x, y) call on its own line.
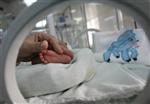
point(36, 47)
point(56, 46)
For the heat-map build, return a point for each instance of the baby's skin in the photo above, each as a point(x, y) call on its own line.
point(49, 56)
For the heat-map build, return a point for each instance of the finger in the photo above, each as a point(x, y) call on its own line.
point(63, 44)
point(36, 47)
point(56, 46)
point(67, 51)
point(44, 45)
point(51, 40)
point(39, 46)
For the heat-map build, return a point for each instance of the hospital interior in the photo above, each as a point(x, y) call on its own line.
point(109, 43)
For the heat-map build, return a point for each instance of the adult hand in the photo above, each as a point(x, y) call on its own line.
point(34, 43)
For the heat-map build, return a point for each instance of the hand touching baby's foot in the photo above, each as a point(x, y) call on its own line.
point(49, 56)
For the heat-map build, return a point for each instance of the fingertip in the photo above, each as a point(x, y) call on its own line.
point(60, 52)
point(67, 52)
point(69, 59)
point(72, 56)
point(58, 49)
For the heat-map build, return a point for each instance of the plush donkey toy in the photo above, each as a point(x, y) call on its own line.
point(126, 46)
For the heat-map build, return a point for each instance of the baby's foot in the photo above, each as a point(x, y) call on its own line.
point(49, 56)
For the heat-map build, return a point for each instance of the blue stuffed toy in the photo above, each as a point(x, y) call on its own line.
point(126, 46)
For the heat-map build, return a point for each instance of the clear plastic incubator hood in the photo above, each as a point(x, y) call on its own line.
point(9, 90)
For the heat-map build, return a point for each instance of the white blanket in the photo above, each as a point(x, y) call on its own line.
point(112, 81)
point(51, 78)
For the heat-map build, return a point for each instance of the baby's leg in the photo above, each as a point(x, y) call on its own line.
point(49, 56)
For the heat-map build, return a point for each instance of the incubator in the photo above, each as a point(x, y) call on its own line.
point(87, 79)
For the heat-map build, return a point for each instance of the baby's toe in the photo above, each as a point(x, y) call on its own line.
point(42, 58)
point(45, 62)
point(44, 51)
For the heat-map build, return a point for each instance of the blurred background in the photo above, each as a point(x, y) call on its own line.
point(74, 24)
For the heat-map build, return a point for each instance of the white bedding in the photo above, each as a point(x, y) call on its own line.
point(112, 80)
point(51, 78)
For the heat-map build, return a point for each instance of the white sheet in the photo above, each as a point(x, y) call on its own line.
point(112, 80)
point(51, 78)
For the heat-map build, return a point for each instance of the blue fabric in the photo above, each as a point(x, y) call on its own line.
point(125, 46)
